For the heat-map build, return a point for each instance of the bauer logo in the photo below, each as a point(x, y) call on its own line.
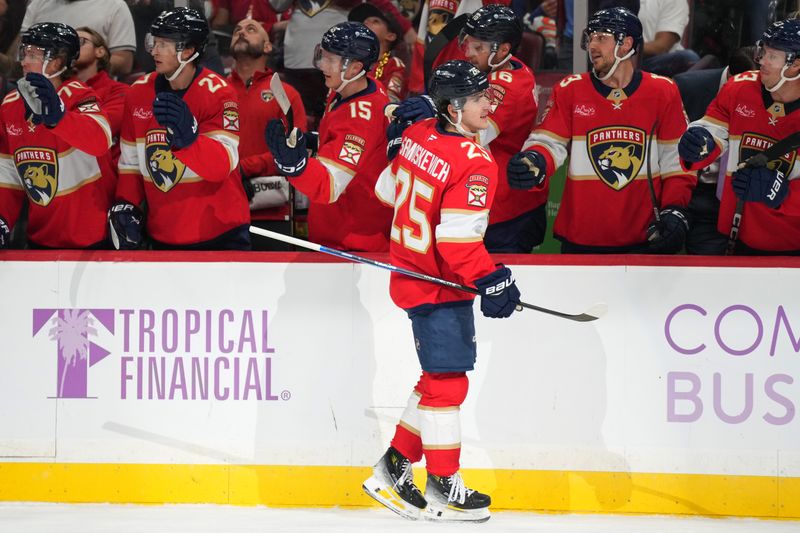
point(70, 330)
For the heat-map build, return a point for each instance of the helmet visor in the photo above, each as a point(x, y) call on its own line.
point(160, 44)
point(325, 60)
point(32, 53)
point(599, 37)
point(471, 46)
point(765, 54)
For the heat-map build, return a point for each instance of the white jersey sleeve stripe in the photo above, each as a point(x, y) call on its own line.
point(340, 177)
point(385, 187)
point(462, 225)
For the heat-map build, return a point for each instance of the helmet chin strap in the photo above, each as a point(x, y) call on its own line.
point(617, 61)
point(181, 64)
point(346, 81)
point(494, 66)
point(53, 75)
point(457, 125)
point(783, 80)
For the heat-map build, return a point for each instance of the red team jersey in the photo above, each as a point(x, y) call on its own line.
point(510, 122)
point(391, 72)
point(441, 186)
point(192, 194)
point(112, 99)
point(744, 120)
point(606, 199)
point(340, 182)
point(65, 171)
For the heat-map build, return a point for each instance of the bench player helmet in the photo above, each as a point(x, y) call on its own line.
point(783, 35)
point(496, 24)
point(186, 26)
point(350, 41)
point(617, 21)
point(451, 83)
point(55, 38)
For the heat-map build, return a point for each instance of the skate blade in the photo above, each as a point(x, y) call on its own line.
point(447, 513)
point(390, 499)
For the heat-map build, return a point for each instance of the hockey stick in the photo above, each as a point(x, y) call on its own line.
point(438, 43)
point(790, 143)
point(593, 313)
point(650, 183)
point(276, 86)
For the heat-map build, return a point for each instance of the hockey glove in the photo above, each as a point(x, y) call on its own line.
point(415, 108)
point(394, 135)
point(668, 235)
point(48, 107)
point(172, 112)
point(499, 293)
point(526, 170)
point(291, 161)
point(312, 141)
point(126, 222)
point(5, 234)
point(695, 145)
point(761, 184)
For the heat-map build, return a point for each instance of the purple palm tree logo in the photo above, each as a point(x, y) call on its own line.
point(71, 329)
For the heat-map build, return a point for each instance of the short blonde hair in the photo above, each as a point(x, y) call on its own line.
point(98, 42)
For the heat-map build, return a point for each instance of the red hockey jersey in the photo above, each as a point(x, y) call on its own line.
point(340, 183)
point(391, 72)
point(65, 171)
point(607, 131)
point(441, 186)
point(193, 194)
point(112, 99)
point(510, 122)
point(744, 120)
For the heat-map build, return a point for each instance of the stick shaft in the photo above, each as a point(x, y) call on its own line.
point(582, 317)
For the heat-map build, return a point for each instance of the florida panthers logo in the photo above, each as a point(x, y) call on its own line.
point(164, 168)
point(616, 154)
point(753, 143)
point(38, 170)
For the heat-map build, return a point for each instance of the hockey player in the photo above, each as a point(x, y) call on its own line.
point(441, 186)
point(340, 182)
point(617, 124)
point(54, 147)
point(490, 36)
point(180, 139)
point(754, 110)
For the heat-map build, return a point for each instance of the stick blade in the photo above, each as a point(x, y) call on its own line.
point(596, 311)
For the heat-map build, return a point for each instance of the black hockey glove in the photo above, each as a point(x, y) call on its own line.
point(761, 184)
point(394, 135)
point(415, 108)
point(247, 185)
point(290, 160)
point(126, 222)
point(5, 234)
point(47, 107)
point(172, 112)
point(668, 235)
point(499, 293)
point(526, 170)
point(695, 145)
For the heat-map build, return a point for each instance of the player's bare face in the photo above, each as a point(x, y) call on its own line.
point(475, 113)
point(164, 55)
point(771, 62)
point(331, 67)
point(477, 52)
point(600, 47)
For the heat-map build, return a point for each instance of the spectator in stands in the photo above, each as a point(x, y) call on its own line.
point(11, 15)
point(340, 182)
point(268, 192)
point(54, 148)
point(110, 18)
point(663, 25)
point(389, 70)
point(228, 13)
point(145, 12)
point(91, 67)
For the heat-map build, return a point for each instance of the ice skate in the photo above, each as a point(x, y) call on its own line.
point(392, 484)
point(450, 501)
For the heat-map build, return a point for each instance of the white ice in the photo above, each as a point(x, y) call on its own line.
point(89, 518)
